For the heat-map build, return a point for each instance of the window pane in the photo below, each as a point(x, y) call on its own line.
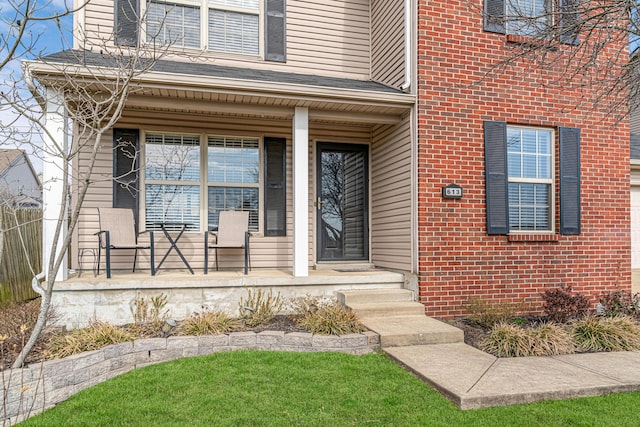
point(233, 160)
point(526, 17)
point(172, 157)
point(247, 4)
point(235, 199)
point(173, 24)
point(172, 204)
point(529, 153)
point(234, 32)
point(529, 207)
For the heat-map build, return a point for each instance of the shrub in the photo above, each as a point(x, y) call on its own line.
point(507, 340)
point(259, 307)
point(95, 336)
point(618, 333)
point(488, 313)
point(561, 306)
point(620, 302)
point(208, 323)
point(330, 319)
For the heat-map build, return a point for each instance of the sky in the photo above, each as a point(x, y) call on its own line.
point(40, 38)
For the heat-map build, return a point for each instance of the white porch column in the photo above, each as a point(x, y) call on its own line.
point(301, 192)
point(54, 147)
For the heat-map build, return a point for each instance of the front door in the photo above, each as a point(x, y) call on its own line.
point(342, 202)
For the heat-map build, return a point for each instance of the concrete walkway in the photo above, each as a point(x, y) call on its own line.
point(473, 379)
point(435, 352)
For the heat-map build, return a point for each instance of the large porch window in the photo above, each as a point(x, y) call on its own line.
point(174, 192)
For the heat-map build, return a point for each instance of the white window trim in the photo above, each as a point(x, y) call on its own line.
point(551, 181)
point(204, 25)
point(204, 182)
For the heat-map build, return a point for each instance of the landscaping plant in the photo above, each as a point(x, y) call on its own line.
point(149, 314)
point(330, 319)
point(620, 302)
point(618, 333)
point(489, 313)
point(511, 340)
point(93, 337)
point(259, 307)
point(560, 305)
point(208, 322)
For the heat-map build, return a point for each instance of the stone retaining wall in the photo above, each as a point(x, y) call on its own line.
point(26, 392)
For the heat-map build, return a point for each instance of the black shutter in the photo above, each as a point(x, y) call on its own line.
point(126, 22)
point(569, 21)
point(275, 34)
point(125, 169)
point(494, 16)
point(569, 180)
point(495, 162)
point(275, 193)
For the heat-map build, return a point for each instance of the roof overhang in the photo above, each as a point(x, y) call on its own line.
point(220, 90)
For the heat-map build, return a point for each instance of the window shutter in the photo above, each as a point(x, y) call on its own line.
point(494, 16)
point(275, 34)
point(569, 21)
point(125, 169)
point(569, 180)
point(126, 22)
point(275, 197)
point(495, 157)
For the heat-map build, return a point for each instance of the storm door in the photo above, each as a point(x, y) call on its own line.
point(342, 202)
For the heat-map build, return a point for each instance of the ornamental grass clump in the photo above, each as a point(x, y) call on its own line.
point(551, 339)
point(508, 340)
point(330, 319)
point(618, 333)
point(96, 335)
point(208, 322)
point(259, 307)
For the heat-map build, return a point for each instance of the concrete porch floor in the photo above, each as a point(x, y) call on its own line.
point(87, 297)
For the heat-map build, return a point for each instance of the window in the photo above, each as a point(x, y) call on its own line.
point(192, 178)
point(519, 179)
point(534, 18)
point(233, 178)
point(530, 165)
point(172, 179)
point(526, 17)
point(232, 25)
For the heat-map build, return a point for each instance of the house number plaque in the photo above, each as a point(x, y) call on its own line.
point(452, 191)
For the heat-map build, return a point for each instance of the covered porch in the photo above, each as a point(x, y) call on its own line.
point(85, 297)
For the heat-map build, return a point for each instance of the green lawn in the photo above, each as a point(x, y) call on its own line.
point(255, 388)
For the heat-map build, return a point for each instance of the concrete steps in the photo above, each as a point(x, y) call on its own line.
point(398, 319)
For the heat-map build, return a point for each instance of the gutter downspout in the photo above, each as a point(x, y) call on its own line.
point(408, 60)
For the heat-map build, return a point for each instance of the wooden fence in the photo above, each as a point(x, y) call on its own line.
point(20, 252)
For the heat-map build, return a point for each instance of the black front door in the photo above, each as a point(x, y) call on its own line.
point(342, 202)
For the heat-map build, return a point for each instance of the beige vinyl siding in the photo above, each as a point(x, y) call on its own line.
point(387, 42)
point(391, 199)
point(323, 38)
point(266, 252)
point(634, 121)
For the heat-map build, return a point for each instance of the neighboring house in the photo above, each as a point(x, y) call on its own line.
point(19, 183)
point(312, 116)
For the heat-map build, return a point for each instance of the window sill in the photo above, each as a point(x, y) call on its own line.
point(533, 237)
point(531, 41)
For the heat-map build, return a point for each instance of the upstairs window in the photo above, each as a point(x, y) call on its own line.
point(534, 18)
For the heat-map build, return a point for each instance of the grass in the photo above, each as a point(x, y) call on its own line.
point(257, 388)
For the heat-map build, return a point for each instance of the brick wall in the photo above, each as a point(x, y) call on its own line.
point(458, 260)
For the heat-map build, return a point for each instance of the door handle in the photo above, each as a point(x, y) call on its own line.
point(319, 203)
